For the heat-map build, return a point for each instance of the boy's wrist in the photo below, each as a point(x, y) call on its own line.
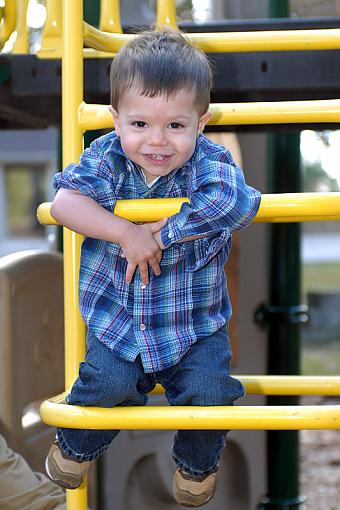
point(125, 231)
point(158, 239)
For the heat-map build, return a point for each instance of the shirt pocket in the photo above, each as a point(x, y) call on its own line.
point(173, 255)
point(199, 251)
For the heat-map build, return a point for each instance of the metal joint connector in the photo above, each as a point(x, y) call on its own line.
point(266, 314)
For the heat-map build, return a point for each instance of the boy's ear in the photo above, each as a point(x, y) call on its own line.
point(203, 121)
point(115, 116)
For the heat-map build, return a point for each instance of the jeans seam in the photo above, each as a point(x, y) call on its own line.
point(80, 456)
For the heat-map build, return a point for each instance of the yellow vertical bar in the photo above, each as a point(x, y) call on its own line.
point(77, 499)
point(110, 16)
point(166, 14)
point(72, 136)
point(72, 96)
point(21, 43)
point(51, 35)
point(7, 24)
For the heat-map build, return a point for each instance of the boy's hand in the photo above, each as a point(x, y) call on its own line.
point(141, 249)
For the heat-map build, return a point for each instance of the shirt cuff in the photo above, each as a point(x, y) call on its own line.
point(170, 234)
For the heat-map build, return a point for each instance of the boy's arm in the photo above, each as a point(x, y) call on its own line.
point(84, 215)
point(220, 202)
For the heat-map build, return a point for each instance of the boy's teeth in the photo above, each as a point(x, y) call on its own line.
point(157, 156)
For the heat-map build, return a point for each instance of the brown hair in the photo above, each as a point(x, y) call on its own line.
point(161, 63)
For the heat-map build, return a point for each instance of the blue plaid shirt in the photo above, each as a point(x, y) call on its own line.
point(189, 300)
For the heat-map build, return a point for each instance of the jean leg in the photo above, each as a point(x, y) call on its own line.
point(104, 380)
point(202, 378)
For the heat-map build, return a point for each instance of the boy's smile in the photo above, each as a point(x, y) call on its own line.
point(158, 133)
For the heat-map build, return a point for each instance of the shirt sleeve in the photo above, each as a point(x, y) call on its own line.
point(91, 177)
point(220, 203)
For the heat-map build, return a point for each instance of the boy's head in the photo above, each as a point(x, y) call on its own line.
point(160, 92)
point(161, 63)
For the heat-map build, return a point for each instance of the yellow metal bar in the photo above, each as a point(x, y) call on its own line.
point(21, 44)
point(109, 20)
point(274, 208)
point(285, 385)
point(51, 42)
point(192, 417)
point(296, 207)
point(77, 499)
point(72, 96)
point(72, 136)
point(280, 40)
point(166, 14)
point(8, 22)
point(276, 112)
point(94, 116)
point(273, 385)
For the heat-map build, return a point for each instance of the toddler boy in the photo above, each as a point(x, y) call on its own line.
point(154, 296)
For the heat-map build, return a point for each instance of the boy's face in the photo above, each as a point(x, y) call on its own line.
point(157, 133)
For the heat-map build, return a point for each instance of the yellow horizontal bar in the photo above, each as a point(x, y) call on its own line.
point(56, 53)
point(285, 385)
point(274, 208)
point(95, 116)
point(222, 42)
point(191, 417)
point(295, 207)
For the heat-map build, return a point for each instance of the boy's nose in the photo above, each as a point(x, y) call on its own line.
point(157, 137)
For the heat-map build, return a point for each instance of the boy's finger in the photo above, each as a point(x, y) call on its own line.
point(130, 272)
point(154, 263)
point(144, 273)
point(158, 225)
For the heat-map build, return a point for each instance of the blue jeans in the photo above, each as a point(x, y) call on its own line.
point(201, 378)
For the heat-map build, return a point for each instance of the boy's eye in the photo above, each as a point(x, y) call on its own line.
point(176, 125)
point(139, 123)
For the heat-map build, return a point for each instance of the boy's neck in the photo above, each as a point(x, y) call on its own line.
point(148, 183)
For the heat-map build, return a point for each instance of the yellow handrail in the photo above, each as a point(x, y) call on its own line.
point(192, 417)
point(274, 208)
point(97, 116)
point(289, 385)
point(217, 42)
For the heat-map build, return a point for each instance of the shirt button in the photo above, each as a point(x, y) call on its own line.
point(171, 235)
point(142, 327)
point(142, 286)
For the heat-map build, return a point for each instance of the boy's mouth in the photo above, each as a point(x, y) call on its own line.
point(157, 158)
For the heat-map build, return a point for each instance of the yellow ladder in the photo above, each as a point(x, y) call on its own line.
point(79, 117)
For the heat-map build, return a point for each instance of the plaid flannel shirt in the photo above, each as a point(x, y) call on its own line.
point(189, 300)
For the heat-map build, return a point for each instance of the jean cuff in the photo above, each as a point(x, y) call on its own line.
point(80, 457)
point(193, 472)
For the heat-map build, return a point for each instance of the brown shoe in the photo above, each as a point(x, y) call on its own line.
point(194, 492)
point(63, 470)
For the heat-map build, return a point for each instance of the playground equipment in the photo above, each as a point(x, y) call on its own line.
point(30, 347)
point(281, 208)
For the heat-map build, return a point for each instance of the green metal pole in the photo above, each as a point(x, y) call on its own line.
point(284, 314)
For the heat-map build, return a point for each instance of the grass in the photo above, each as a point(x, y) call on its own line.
point(320, 277)
point(320, 358)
